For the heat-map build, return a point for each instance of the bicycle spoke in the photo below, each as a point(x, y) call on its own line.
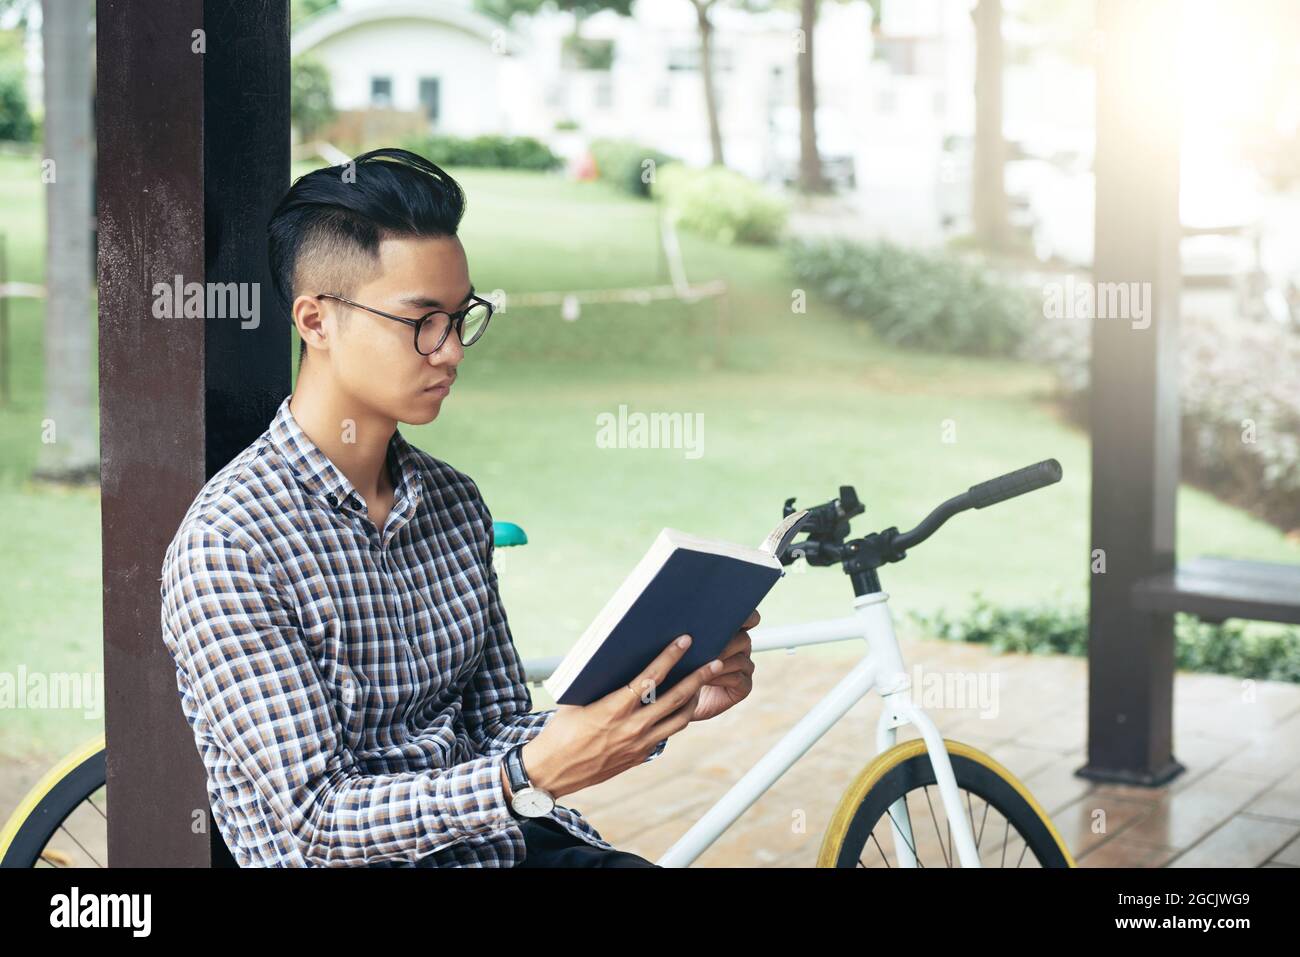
point(80, 845)
point(983, 820)
point(102, 812)
point(898, 830)
point(883, 856)
point(970, 812)
point(947, 861)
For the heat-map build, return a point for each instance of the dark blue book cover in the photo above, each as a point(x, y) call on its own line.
point(686, 592)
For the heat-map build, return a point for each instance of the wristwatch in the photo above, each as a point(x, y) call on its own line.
point(527, 801)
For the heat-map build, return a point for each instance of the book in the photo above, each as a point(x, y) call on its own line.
point(684, 585)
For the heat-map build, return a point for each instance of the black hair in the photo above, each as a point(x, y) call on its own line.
point(333, 219)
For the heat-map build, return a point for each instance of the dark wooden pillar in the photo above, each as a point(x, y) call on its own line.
point(1134, 398)
point(192, 124)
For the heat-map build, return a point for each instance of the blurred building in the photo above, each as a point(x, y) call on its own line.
point(635, 78)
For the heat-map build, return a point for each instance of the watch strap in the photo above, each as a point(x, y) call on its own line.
point(515, 771)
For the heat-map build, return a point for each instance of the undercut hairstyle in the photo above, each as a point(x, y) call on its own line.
point(325, 233)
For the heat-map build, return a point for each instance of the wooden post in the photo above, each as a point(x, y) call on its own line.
point(1134, 392)
point(193, 146)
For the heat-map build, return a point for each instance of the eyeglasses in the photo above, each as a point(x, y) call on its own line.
point(432, 328)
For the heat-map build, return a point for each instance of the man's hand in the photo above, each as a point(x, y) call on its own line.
point(735, 681)
point(582, 746)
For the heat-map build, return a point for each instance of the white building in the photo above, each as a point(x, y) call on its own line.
point(472, 75)
point(438, 56)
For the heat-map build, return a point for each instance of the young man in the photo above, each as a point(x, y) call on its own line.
point(329, 599)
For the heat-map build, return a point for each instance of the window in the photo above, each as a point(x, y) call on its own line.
point(688, 58)
point(381, 91)
point(430, 98)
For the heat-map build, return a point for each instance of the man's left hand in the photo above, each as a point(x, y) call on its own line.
point(733, 683)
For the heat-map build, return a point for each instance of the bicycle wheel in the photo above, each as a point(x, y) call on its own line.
point(62, 821)
point(1009, 827)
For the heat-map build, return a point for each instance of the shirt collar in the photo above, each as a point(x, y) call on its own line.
point(321, 477)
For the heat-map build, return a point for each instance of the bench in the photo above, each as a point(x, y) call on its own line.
point(1216, 589)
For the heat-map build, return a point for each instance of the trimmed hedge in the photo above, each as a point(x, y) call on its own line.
point(1243, 649)
point(503, 152)
point(916, 298)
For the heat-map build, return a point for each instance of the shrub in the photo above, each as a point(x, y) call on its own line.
point(15, 121)
point(627, 165)
point(720, 204)
point(915, 298)
point(504, 152)
point(1242, 649)
point(1240, 403)
point(311, 106)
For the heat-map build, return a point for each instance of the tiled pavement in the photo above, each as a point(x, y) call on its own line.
point(1237, 804)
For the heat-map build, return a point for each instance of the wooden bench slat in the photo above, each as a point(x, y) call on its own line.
point(1219, 588)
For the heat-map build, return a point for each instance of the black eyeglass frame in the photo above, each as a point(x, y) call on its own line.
point(455, 319)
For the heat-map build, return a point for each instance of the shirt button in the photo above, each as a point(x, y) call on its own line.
point(332, 499)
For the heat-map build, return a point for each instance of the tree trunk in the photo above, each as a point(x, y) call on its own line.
point(810, 163)
point(989, 198)
point(706, 73)
point(69, 447)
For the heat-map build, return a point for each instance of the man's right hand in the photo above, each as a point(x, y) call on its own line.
point(584, 745)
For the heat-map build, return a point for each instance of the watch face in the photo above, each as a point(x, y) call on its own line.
point(532, 802)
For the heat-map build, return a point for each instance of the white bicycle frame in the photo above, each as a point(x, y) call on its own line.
point(880, 670)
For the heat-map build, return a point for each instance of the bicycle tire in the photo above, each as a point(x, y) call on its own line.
point(903, 772)
point(43, 810)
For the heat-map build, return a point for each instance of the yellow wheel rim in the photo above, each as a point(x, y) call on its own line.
point(871, 775)
point(44, 786)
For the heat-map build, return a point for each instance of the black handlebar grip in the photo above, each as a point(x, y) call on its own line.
point(1015, 483)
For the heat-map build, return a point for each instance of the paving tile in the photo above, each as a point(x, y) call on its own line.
point(1242, 841)
point(1281, 801)
point(1182, 818)
point(1095, 818)
point(1121, 852)
point(1289, 855)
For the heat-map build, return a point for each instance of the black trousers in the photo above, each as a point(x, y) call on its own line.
point(550, 845)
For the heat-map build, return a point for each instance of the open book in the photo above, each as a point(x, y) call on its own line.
point(684, 585)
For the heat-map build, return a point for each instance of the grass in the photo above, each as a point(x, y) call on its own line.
point(800, 404)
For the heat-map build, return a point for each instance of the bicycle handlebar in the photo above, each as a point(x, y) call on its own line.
point(827, 525)
point(1015, 483)
point(1028, 479)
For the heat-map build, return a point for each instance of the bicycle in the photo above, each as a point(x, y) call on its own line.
point(894, 787)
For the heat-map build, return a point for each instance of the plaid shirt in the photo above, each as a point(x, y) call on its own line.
point(352, 692)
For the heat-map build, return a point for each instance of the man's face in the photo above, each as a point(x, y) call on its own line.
point(375, 359)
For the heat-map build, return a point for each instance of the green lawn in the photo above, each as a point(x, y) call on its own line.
point(801, 404)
